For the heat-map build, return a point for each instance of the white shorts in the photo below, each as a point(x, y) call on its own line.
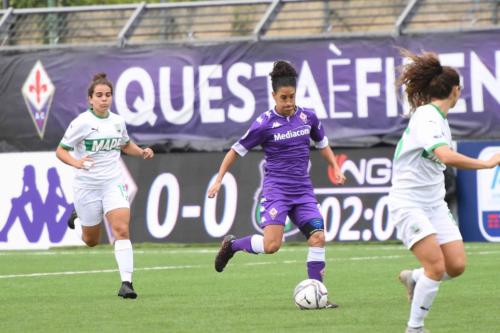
point(414, 224)
point(92, 204)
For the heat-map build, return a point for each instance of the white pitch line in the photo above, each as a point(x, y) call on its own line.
point(295, 248)
point(155, 268)
point(211, 251)
point(57, 273)
point(90, 252)
point(160, 268)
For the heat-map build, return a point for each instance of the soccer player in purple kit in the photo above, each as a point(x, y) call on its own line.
point(284, 134)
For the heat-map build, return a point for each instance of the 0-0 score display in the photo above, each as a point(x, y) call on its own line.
point(348, 216)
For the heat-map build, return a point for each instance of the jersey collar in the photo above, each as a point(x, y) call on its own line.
point(439, 110)
point(286, 117)
point(97, 116)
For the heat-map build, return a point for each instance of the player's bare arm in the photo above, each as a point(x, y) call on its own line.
point(329, 156)
point(134, 150)
point(64, 155)
point(454, 159)
point(226, 164)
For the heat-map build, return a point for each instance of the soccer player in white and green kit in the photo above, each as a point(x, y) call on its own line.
point(97, 137)
point(423, 221)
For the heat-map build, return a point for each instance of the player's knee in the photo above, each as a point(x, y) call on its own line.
point(271, 246)
point(121, 232)
point(436, 269)
point(457, 269)
point(317, 239)
point(90, 241)
point(313, 230)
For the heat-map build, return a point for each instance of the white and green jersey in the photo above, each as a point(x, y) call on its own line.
point(101, 139)
point(417, 174)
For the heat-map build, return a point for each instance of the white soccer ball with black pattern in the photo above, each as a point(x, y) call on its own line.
point(310, 294)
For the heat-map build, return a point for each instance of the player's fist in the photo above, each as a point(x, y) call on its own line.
point(214, 189)
point(147, 153)
point(494, 161)
point(85, 163)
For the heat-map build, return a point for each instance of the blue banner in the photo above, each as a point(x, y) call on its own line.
point(479, 194)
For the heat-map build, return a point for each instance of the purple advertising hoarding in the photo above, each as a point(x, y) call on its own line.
point(205, 97)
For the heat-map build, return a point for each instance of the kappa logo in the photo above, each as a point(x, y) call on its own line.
point(33, 212)
point(276, 125)
point(38, 92)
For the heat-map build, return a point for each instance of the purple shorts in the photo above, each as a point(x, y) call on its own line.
point(276, 211)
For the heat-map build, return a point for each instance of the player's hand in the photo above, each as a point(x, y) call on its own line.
point(494, 161)
point(214, 189)
point(85, 163)
point(147, 153)
point(340, 178)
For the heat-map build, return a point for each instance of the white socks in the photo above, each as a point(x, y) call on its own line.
point(423, 297)
point(124, 258)
point(78, 227)
point(123, 253)
point(257, 242)
point(316, 254)
point(418, 272)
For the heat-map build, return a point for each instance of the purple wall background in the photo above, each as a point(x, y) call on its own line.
point(353, 78)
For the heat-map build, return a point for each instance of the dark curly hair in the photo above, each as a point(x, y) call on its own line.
point(283, 75)
point(425, 78)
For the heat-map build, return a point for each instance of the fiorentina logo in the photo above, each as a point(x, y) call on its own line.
point(38, 92)
point(273, 212)
point(303, 117)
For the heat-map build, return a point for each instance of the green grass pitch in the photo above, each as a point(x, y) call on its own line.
point(74, 290)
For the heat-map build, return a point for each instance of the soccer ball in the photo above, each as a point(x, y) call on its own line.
point(310, 294)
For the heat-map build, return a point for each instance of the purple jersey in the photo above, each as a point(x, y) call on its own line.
point(286, 142)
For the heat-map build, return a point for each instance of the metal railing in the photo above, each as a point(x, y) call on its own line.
point(237, 20)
